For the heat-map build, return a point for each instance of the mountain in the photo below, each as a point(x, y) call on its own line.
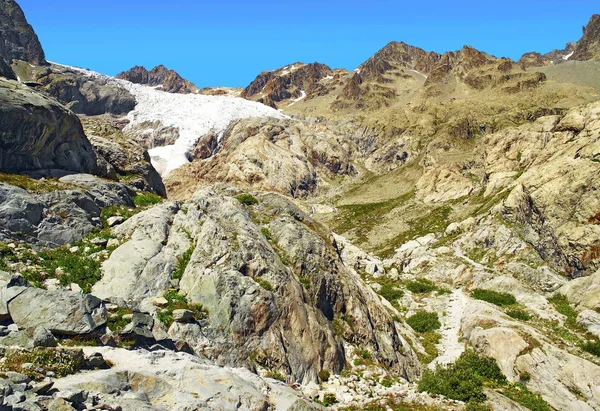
point(291, 83)
point(159, 76)
point(588, 47)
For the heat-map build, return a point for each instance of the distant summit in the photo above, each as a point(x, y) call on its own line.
point(160, 76)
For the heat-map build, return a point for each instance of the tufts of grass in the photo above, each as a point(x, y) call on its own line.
point(275, 375)
point(46, 185)
point(176, 301)
point(143, 199)
point(519, 314)
point(421, 286)
point(324, 375)
point(78, 267)
point(60, 361)
point(247, 199)
point(182, 264)
point(264, 283)
point(116, 322)
point(521, 394)
point(494, 297)
point(424, 321)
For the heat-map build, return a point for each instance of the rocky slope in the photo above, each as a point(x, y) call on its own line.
point(161, 77)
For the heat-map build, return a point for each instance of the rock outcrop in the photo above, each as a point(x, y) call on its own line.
point(272, 291)
point(38, 133)
point(19, 41)
point(296, 81)
point(161, 77)
point(588, 47)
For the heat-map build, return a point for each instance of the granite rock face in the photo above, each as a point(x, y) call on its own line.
point(38, 133)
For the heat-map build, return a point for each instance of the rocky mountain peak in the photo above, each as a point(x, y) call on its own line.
point(297, 81)
point(395, 56)
point(588, 47)
point(19, 41)
point(168, 80)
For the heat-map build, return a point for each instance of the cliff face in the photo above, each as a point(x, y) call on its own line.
point(19, 41)
point(588, 47)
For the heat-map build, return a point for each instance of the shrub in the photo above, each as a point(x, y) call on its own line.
point(421, 286)
point(424, 321)
point(324, 375)
point(519, 314)
point(494, 297)
point(463, 380)
point(329, 400)
point(247, 199)
point(143, 199)
point(391, 293)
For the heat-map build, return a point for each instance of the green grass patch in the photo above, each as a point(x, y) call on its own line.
point(78, 267)
point(113, 211)
point(424, 321)
point(116, 322)
point(433, 222)
point(521, 394)
point(519, 314)
point(247, 199)
point(421, 286)
point(264, 283)
point(176, 301)
point(35, 186)
point(494, 297)
point(267, 233)
point(143, 199)
point(182, 263)
point(61, 362)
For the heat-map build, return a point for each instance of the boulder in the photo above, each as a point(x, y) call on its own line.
point(38, 133)
point(60, 312)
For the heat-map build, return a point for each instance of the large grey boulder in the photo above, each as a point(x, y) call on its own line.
point(61, 312)
point(38, 133)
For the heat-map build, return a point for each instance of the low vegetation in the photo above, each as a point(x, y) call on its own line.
point(247, 199)
point(45, 185)
point(466, 378)
point(424, 321)
point(143, 199)
point(176, 301)
point(37, 362)
point(494, 297)
point(182, 264)
point(421, 286)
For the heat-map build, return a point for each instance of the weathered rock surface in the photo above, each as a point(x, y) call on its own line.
point(37, 133)
point(19, 41)
point(588, 47)
point(177, 381)
point(61, 216)
point(159, 76)
point(61, 312)
point(289, 157)
point(251, 285)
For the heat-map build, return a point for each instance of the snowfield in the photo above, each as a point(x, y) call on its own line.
point(194, 115)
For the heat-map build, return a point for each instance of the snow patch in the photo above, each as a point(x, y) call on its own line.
point(302, 97)
point(568, 56)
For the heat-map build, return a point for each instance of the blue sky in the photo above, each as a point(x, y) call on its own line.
point(229, 42)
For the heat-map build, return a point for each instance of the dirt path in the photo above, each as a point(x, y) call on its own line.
point(451, 346)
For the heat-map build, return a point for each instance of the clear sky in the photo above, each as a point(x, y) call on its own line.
point(228, 42)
